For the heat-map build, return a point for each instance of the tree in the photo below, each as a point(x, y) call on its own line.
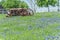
point(2, 1)
point(58, 5)
point(10, 4)
point(46, 3)
point(14, 4)
point(32, 5)
point(23, 5)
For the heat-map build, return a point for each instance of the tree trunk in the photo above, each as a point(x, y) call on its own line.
point(58, 5)
point(48, 6)
point(32, 3)
point(48, 9)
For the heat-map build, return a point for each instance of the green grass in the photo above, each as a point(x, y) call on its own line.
point(41, 26)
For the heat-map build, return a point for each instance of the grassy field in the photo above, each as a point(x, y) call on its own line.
point(41, 26)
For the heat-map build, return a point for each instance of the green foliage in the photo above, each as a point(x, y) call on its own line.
point(23, 5)
point(10, 4)
point(14, 4)
point(2, 1)
point(52, 2)
point(45, 3)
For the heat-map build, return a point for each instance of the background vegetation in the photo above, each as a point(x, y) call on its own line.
point(13, 4)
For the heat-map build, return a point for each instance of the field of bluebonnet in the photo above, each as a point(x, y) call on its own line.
point(40, 26)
